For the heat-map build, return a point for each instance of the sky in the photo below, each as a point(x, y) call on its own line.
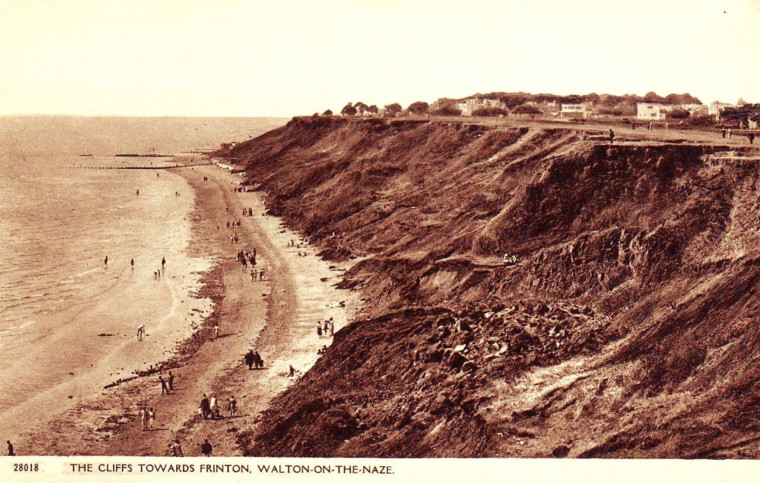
point(291, 57)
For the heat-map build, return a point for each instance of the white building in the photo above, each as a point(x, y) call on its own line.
point(716, 108)
point(650, 111)
point(695, 110)
point(575, 110)
point(468, 106)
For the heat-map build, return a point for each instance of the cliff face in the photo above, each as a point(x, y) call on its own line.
point(624, 323)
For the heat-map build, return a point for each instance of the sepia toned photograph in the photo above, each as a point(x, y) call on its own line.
point(378, 230)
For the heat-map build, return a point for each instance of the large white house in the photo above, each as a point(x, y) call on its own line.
point(468, 106)
point(576, 110)
point(651, 111)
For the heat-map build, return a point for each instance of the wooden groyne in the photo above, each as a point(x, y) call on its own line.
point(167, 166)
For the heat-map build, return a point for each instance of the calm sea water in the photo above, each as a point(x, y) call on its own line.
point(58, 222)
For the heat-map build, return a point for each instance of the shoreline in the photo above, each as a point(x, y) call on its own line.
point(107, 424)
point(91, 344)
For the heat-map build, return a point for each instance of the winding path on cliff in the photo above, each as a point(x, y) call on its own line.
point(277, 317)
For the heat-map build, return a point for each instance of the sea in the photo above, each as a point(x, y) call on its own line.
point(63, 309)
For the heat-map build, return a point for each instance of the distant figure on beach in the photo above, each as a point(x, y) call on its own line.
point(612, 135)
point(105, 262)
point(140, 332)
point(332, 327)
point(144, 418)
point(138, 192)
point(157, 175)
point(253, 275)
point(171, 381)
point(206, 448)
point(205, 407)
point(319, 330)
point(249, 359)
point(175, 449)
point(292, 371)
point(232, 406)
point(723, 133)
point(257, 360)
point(261, 274)
point(751, 137)
point(728, 133)
point(164, 387)
point(132, 263)
point(650, 125)
point(163, 262)
point(10, 449)
point(216, 332)
point(151, 418)
point(214, 407)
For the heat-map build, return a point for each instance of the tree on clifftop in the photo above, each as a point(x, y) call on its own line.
point(373, 109)
point(393, 109)
point(327, 113)
point(360, 107)
point(419, 107)
point(348, 110)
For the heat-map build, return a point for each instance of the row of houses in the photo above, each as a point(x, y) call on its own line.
point(644, 110)
point(651, 111)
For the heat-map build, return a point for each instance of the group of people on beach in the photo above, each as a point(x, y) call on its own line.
point(147, 418)
point(209, 408)
point(167, 385)
point(326, 328)
point(253, 358)
point(245, 257)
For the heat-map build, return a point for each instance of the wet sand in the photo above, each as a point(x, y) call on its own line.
point(68, 357)
point(277, 317)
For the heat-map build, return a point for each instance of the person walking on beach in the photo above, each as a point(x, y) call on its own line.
point(205, 407)
point(216, 332)
point(612, 135)
point(163, 263)
point(249, 359)
point(253, 275)
point(171, 381)
point(751, 137)
point(11, 452)
point(206, 448)
point(332, 327)
point(132, 263)
point(175, 449)
point(140, 332)
point(214, 407)
point(144, 418)
point(164, 387)
point(232, 406)
point(105, 262)
point(151, 418)
point(319, 330)
point(261, 275)
point(257, 360)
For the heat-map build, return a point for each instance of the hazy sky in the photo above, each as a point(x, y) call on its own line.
point(286, 57)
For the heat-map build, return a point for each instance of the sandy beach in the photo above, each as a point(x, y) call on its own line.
point(277, 317)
